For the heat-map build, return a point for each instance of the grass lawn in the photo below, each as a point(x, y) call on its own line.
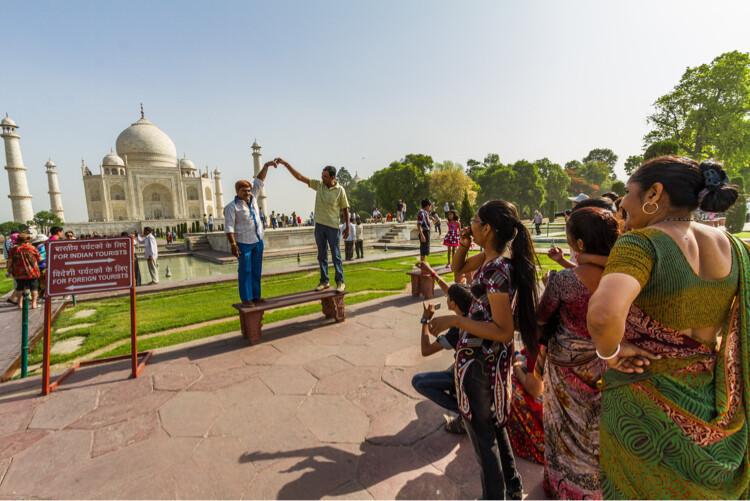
point(6, 284)
point(182, 308)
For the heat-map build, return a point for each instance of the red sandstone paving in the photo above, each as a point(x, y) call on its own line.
point(376, 398)
point(254, 443)
point(228, 378)
point(345, 382)
point(405, 424)
point(347, 424)
point(190, 414)
point(289, 380)
point(120, 435)
point(11, 445)
point(66, 407)
point(180, 374)
point(326, 366)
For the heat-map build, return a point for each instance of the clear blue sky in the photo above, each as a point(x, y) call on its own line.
point(348, 83)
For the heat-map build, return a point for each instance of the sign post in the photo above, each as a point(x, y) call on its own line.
point(85, 266)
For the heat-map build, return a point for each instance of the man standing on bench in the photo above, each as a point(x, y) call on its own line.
point(330, 200)
point(244, 231)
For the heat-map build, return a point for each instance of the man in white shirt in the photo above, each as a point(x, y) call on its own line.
point(244, 230)
point(151, 253)
point(349, 241)
point(210, 222)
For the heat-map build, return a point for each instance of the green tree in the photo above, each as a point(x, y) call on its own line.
point(556, 181)
point(619, 188)
point(551, 209)
point(448, 165)
point(449, 186)
point(632, 163)
point(474, 168)
point(44, 220)
point(362, 197)
point(496, 182)
point(422, 162)
point(596, 172)
point(403, 181)
point(467, 211)
point(707, 111)
point(528, 188)
point(491, 159)
point(9, 227)
point(602, 155)
point(661, 148)
point(344, 178)
point(737, 213)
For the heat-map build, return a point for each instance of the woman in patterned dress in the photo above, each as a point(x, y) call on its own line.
point(505, 293)
point(452, 235)
point(676, 399)
point(571, 397)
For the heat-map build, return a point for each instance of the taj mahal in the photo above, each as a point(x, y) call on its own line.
point(142, 182)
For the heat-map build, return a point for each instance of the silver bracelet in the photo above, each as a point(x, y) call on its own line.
point(617, 352)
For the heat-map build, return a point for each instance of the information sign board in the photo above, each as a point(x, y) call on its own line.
point(90, 265)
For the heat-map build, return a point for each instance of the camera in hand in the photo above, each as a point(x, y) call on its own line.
point(566, 212)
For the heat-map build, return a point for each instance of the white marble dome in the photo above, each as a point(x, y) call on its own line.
point(144, 142)
point(113, 159)
point(187, 164)
point(50, 164)
point(7, 121)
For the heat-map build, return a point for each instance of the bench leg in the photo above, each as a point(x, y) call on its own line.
point(416, 287)
point(333, 307)
point(427, 286)
point(251, 324)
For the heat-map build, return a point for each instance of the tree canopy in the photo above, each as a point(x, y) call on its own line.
point(450, 186)
point(403, 181)
point(44, 220)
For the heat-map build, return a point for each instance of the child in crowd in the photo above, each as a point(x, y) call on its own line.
point(451, 235)
point(440, 386)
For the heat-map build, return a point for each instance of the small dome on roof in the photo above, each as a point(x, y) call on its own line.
point(217, 171)
point(186, 164)
point(50, 164)
point(113, 159)
point(256, 146)
point(8, 121)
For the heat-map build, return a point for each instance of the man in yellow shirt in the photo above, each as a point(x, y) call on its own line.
point(330, 201)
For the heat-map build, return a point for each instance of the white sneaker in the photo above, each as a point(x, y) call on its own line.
point(340, 287)
point(321, 286)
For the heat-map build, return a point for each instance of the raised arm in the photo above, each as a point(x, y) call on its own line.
point(500, 329)
point(460, 262)
point(299, 177)
point(262, 174)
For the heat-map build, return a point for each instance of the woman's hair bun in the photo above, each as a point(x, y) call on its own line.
point(718, 195)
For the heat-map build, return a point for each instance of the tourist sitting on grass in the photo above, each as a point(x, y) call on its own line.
point(440, 387)
point(244, 231)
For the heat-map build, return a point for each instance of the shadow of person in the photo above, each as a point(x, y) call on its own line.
point(383, 465)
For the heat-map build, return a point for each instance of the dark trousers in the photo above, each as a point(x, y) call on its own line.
point(538, 228)
point(360, 247)
point(439, 387)
point(492, 449)
point(325, 236)
point(137, 270)
point(249, 270)
point(349, 249)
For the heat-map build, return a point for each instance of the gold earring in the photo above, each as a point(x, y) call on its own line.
point(647, 212)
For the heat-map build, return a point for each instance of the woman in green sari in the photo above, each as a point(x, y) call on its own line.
point(676, 398)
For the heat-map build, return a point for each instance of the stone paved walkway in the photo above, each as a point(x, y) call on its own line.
point(316, 410)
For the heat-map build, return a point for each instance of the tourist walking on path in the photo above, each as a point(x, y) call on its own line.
point(571, 397)
point(486, 344)
point(23, 264)
point(349, 241)
point(403, 213)
point(399, 210)
point(330, 201)
point(675, 405)
point(538, 219)
point(360, 242)
point(150, 253)
point(205, 223)
point(452, 234)
point(436, 219)
point(210, 222)
point(424, 226)
point(244, 231)
point(446, 209)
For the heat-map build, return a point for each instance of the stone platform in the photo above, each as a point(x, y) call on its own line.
point(316, 410)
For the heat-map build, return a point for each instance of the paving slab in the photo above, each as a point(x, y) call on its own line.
point(317, 410)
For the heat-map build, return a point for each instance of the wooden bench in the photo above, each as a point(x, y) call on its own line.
point(251, 319)
point(424, 285)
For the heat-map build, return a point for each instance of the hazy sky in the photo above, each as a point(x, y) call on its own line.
point(348, 83)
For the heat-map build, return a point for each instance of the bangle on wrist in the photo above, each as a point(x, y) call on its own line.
point(617, 352)
point(233, 244)
point(434, 275)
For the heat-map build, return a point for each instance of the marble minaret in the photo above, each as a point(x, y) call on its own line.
point(256, 167)
point(19, 188)
point(55, 201)
point(218, 192)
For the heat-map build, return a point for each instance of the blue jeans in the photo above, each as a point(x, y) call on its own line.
point(327, 236)
point(439, 387)
point(249, 270)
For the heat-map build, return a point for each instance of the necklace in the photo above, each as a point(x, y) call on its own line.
point(688, 219)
